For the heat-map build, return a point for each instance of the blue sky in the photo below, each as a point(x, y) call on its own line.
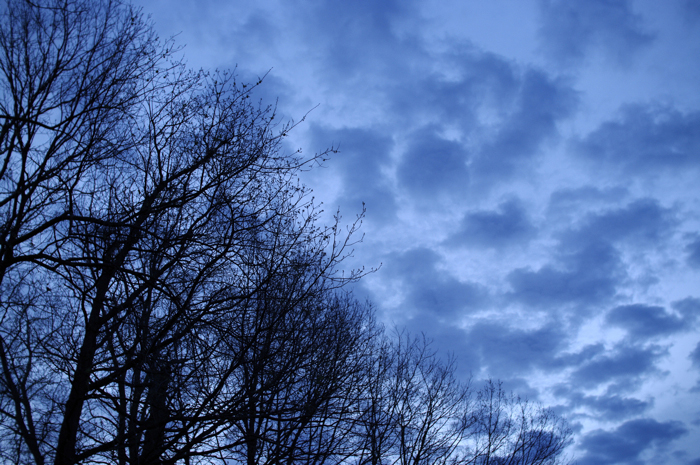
point(530, 170)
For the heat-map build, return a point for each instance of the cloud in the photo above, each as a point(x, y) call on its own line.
point(352, 37)
point(474, 88)
point(508, 351)
point(508, 225)
point(689, 308)
point(497, 115)
point(363, 156)
point(616, 407)
point(642, 221)
point(693, 250)
point(447, 106)
point(446, 297)
point(586, 354)
point(588, 276)
point(625, 364)
point(471, 84)
point(433, 292)
point(448, 340)
point(432, 167)
point(627, 442)
point(541, 102)
point(585, 196)
point(587, 268)
point(434, 303)
point(611, 407)
point(571, 29)
point(695, 356)
point(691, 9)
point(645, 139)
point(644, 321)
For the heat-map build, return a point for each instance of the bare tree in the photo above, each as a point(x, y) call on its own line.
point(166, 293)
point(413, 406)
point(414, 411)
point(149, 222)
point(72, 79)
point(504, 429)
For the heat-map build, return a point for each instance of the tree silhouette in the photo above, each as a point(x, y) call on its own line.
point(414, 411)
point(166, 293)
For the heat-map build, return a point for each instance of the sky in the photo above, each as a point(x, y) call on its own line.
point(530, 171)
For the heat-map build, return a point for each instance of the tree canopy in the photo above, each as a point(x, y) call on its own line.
point(166, 292)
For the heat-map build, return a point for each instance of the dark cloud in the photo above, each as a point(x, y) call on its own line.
point(504, 111)
point(695, 356)
point(363, 154)
point(356, 36)
point(431, 291)
point(567, 199)
point(616, 407)
point(540, 103)
point(627, 442)
point(256, 34)
point(432, 167)
point(571, 29)
point(446, 296)
point(643, 221)
point(625, 364)
point(611, 407)
point(567, 205)
point(435, 303)
point(691, 11)
point(447, 339)
point(693, 250)
point(588, 276)
point(594, 365)
point(578, 358)
point(414, 264)
point(644, 140)
point(508, 225)
point(689, 308)
point(644, 321)
point(479, 81)
point(588, 269)
point(508, 351)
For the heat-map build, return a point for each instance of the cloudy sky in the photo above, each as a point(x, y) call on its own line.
point(531, 174)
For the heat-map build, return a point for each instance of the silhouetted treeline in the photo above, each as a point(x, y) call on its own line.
point(166, 292)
